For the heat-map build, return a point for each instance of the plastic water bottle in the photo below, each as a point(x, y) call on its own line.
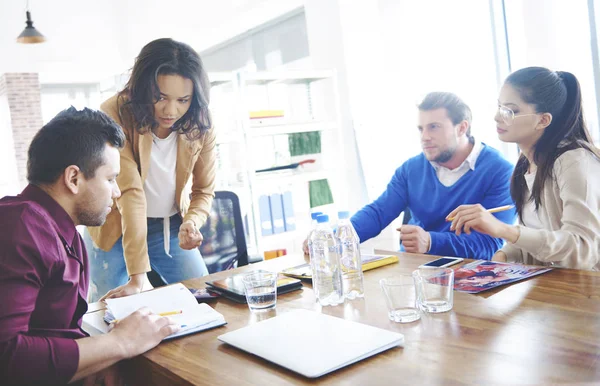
point(350, 259)
point(325, 263)
point(313, 226)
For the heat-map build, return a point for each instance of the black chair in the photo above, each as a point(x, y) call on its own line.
point(224, 246)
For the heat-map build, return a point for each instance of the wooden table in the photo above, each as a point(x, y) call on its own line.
point(539, 331)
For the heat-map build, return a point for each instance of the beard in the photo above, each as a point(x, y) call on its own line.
point(88, 217)
point(445, 156)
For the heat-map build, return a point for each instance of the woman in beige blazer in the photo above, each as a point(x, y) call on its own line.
point(555, 184)
point(169, 153)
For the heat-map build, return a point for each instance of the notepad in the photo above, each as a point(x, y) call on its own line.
point(194, 317)
point(369, 262)
point(310, 343)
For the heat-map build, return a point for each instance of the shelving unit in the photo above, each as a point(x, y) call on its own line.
point(310, 103)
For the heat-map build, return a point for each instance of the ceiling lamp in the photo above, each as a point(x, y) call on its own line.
point(30, 35)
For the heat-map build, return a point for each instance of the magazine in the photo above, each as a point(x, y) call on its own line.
point(483, 275)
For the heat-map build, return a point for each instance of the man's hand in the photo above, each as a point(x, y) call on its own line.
point(141, 331)
point(414, 239)
point(133, 286)
point(305, 247)
point(189, 236)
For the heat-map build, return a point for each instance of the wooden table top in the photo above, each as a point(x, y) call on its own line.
point(539, 331)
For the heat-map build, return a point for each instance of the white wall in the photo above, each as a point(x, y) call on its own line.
point(92, 40)
point(277, 45)
point(555, 34)
point(9, 178)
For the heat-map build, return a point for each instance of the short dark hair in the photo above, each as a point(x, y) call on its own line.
point(458, 110)
point(72, 138)
point(167, 57)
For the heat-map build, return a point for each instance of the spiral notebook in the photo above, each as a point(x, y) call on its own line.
point(193, 317)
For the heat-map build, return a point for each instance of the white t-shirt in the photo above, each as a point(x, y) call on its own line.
point(159, 186)
point(449, 177)
point(531, 217)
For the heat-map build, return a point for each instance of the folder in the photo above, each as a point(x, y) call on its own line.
point(266, 222)
point(289, 218)
point(277, 213)
point(369, 262)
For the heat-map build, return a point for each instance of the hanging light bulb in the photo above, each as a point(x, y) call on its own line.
point(30, 35)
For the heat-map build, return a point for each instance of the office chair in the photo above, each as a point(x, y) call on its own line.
point(224, 246)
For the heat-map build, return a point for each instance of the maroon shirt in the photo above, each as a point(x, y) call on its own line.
point(43, 290)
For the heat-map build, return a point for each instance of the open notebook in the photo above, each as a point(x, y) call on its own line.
point(193, 317)
point(311, 343)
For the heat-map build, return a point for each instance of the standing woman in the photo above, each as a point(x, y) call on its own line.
point(556, 182)
point(163, 111)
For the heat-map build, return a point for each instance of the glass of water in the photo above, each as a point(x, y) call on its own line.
point(261, 290)
point(401, 298)
point(435, 289)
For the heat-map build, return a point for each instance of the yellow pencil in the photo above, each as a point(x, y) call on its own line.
point(492, 210)
point(160, 314)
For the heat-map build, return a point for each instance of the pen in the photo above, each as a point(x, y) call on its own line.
point(492, 210)
point(160, 314)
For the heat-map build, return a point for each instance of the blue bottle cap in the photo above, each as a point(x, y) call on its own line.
point(322, 218)
point(315, 214)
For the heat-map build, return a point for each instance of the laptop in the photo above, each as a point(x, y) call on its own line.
point(310, 343)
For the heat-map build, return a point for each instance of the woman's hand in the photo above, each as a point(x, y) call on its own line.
point(133, 286)
point(189, 236)
point(467, 218)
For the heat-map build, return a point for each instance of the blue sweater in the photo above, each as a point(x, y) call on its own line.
point(415, 186)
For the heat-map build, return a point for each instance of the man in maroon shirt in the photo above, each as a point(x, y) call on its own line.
point(72, 168)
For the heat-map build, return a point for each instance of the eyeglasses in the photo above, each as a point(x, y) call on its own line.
point(508, 116)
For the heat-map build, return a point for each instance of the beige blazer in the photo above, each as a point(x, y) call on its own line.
point(570, 215)
point(195, 173)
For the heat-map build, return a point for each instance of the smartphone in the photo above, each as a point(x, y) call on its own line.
point(442, 262)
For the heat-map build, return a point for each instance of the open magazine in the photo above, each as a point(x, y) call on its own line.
point(483, 275)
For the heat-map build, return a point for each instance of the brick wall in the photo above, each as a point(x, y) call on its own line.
point(24, 100)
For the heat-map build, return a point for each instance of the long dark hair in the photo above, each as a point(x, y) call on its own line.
point(167, 57)
point(559, 94)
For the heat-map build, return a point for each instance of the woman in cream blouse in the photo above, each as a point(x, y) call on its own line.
point(556, 182)
point(169, 153)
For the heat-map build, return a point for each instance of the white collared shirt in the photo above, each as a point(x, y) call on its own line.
point(449, 177)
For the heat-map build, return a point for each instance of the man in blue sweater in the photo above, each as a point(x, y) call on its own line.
point(454, 169)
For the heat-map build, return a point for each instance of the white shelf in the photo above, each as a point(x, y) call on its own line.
point(217, 78)
point(292, 76)
point(308, 95)
point(228, 138)
point(290, 241)
point(259, 130)
point(286, 178)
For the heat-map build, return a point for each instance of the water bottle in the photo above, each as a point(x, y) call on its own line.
point(313, 226)
point(350, 259)
point(325, 263)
